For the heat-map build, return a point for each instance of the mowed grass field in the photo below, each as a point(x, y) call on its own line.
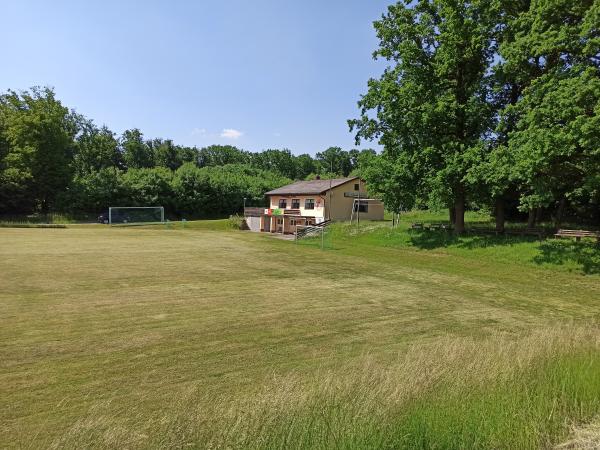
point(206, 337)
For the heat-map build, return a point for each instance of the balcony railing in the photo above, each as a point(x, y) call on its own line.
point(253, 212)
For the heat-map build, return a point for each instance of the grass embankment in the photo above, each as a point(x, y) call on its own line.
point(200, 337)
point(553, 254)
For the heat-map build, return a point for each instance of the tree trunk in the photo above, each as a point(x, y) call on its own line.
point(560, 212)
point(452, 215)
point(500, 215)
point(459, 214)
point(531, 219)
point(538, 215)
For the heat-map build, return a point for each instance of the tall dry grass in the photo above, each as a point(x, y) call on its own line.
point(503, 391)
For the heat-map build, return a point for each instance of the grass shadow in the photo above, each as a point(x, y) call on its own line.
point(584, 254)
point(429, 240)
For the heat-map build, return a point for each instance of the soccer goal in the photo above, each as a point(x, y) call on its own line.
point(135, 215)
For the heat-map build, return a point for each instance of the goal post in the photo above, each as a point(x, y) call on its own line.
point(135, 215)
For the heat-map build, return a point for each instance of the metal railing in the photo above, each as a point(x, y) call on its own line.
point(303, 231)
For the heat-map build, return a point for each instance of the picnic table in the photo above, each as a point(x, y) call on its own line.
point(578, 234)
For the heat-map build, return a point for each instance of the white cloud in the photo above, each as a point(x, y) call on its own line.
point(230, 133)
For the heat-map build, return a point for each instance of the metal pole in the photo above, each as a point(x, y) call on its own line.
point(358, 208)
point(322, 237)
point(330, 174)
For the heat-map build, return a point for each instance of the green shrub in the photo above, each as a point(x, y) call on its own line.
point(237, 222)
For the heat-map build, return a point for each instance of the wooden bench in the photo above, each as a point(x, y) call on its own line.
point(578, 234)
point(440, 226)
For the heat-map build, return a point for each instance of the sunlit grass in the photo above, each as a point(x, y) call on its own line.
point(554, 254)
point(156, 337)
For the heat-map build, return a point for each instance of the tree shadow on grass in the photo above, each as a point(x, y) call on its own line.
point(429, 240)
point(584, 254)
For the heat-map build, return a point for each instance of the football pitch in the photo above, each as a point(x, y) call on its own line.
point(207, 337)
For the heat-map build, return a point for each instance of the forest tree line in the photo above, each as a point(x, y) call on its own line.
point(53, 159)
point(494, 103)
point(487, 104)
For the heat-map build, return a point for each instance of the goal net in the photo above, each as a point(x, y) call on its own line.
point(131, 215)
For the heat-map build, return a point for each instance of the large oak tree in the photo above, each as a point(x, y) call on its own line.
point(430, 107)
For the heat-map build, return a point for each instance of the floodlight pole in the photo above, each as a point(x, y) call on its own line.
point(358, 209)
point(358, 206)
point(330, 173)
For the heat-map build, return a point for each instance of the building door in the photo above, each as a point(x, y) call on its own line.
point(267, 223)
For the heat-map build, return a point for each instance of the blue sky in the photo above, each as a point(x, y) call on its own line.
point(256, 74)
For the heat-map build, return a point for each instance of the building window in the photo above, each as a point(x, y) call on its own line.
point(295, 203)
point(356, 187)
point(362, 207)
point(292, 221)
point(309, 203)
point(279, 221)
point(282, 203)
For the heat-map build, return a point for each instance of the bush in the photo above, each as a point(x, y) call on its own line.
point(237, 222)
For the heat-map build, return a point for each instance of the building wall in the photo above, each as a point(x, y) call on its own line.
point(341, 205)
point(319, 210)
point(253, 223)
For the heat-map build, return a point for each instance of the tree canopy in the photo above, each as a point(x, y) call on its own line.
point(485, 102)
point(53, 159)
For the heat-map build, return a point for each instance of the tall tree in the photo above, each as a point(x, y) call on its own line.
point(431, 105)
point(387, 178)
point(166, 154)
point(38, 132)
point(280, 161)
point(334, 160)
point(553, 149)
point(95, 148)
point(137, 154)
point(219, 155)
point(305, 165)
